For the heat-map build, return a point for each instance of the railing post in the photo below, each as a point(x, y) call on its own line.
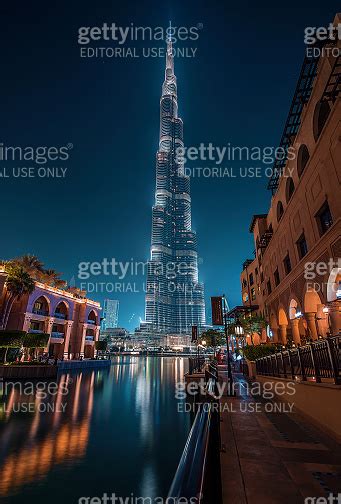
point(304, 378)
point(277, 366)
point(291, 366)
point(283, 364)
point(316, 368)
point(337, 379)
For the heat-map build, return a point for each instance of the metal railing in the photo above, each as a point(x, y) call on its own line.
point(60, 315)
point(57, 334)
point(40, 312)
point(198, 473)
point(195, 364)
point(318, 360)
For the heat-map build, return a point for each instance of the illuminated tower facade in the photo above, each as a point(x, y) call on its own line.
point(174, 296)
point(110, 314)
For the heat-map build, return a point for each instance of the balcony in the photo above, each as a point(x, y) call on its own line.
point(44, 313)
point(90, 321)
point(57, 337)
point(36, 331)
point(89, 340)
point(57, 334)
point(60, 315)
point(265, 240)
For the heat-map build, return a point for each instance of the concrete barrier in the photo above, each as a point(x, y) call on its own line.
point(68, 365)
point(319, 402)
point(31, 371)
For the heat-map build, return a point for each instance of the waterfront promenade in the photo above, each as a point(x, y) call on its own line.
point(274, 458)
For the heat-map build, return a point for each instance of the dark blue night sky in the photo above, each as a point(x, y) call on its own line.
point(236, 90)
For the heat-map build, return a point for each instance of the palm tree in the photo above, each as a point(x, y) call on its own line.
point(76, 291)
point(253, 324)
point(18, 283)
point(51, 277)
point(212, 338)
point(31, 264)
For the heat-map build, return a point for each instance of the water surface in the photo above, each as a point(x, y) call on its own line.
point(104, 431)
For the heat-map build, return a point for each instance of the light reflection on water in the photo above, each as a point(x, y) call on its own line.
point(115, 431)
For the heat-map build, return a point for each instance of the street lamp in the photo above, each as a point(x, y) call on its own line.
point(229, 370)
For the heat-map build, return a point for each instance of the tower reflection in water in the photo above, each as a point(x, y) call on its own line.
point(125, 418)
point(57, 432)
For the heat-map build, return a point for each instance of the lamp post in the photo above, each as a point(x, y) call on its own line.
point(229, 370)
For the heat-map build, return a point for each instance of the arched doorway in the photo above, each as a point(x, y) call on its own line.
point(59, 328)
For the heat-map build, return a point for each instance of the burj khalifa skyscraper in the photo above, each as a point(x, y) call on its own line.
point(174, 295)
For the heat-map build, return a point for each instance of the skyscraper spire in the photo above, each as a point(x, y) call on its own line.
point(169, 56)
point(169, 85)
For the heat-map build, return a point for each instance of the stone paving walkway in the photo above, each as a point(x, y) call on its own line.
point(274, 458)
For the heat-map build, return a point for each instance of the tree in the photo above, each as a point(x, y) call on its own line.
point(212, 338)
point(30, 263)
point(51, 277)
point(76, 291)
point(101, 345)
point(35, 268)
point(11, 339)
point(35, 340)
point(253, 324)
point(18, 283)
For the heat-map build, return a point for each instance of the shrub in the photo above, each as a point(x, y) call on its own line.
point(36, 340)
point(252, 352)
point(101, 345)
point(11, 339)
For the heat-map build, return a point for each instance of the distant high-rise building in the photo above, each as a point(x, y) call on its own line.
point(174, 297)
point(110, 314)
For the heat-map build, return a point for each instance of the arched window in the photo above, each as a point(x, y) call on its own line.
point(302, 159)
point(280, 210)
point(321, 114)
point(290, 188)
